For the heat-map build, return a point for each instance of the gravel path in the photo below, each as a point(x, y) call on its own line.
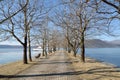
point(56, 67)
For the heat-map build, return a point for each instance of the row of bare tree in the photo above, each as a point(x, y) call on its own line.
point(20, 17)
point(31, 21)
point(26, 21)
point(80, 19)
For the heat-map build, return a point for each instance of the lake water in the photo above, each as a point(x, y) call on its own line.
point(8, 55)
point(109, 55)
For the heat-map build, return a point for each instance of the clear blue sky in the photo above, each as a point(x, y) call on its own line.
point(10, 43)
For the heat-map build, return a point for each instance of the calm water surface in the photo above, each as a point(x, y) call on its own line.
point(8, 55)
point(109, 55)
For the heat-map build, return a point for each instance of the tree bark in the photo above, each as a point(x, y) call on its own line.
point(25, 51)
point(54, 48)
point(74, 54)
point(69, 49)
point(30, 57)
point(43, 49)
point(82, 46)
point(48, 47)
point(45, 53)
point(25, 36)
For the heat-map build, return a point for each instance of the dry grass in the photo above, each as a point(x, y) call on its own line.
point(14, 68)
point(94, 70)
point(17, 67)
point(91, 70)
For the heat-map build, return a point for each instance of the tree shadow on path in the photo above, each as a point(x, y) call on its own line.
point(95, 71)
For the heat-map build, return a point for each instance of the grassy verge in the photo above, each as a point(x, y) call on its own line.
point(14, 68)
point(94, 70)
point(17, 67)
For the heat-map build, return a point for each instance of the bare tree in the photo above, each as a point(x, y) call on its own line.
point(44, 39)
point(84, 16)
point(12, 14)
point(20, 25)
point(10, 28)
point(73, 41)
point(108, 11)
point(64, 19)
point(78, 18)
point(111, 8)
point(115, 4)
point(55, 39)
point(29, 45)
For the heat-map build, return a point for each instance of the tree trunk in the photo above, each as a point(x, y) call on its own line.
point(25, 51)
point(30, 57)
point(25, 36)
point(82, 49)
point(45, 53)
point(74, 53)
point(69, 49)
point(65, 48)
point(43, 49)
point(51, 50)
point(48, 48)
point(54, 48)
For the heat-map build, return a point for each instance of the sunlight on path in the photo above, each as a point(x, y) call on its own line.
point(57, 67)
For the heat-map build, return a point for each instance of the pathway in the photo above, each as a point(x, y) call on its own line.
point(56, 67)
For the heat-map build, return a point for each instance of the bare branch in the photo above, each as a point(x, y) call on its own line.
point(14, 13)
